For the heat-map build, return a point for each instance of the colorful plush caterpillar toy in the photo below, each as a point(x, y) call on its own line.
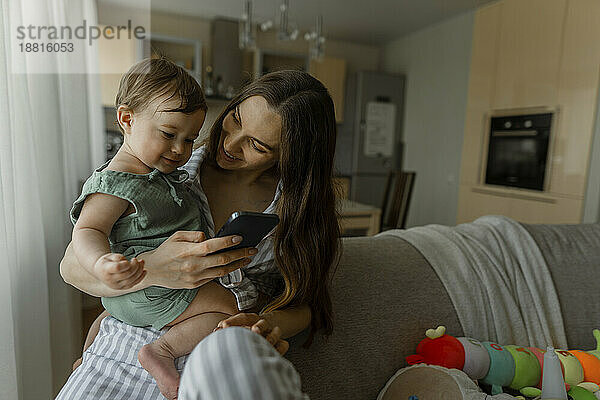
point(517, 367)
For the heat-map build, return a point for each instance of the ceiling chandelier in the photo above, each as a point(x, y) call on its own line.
point(247, 34)
point(316, 41)
point(286, 30)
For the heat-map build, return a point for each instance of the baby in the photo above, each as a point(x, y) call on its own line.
point(133, 203)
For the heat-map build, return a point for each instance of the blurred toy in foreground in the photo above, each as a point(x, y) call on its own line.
point(517, 367)
point(553, 383)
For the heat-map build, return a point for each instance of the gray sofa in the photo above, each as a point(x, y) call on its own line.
point(386, 295)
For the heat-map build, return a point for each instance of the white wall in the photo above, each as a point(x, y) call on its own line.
point(436, 62)
point(591, 208)
point(185, 27)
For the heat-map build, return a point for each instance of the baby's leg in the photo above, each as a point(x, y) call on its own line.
point(92, 333)
point(212, 304)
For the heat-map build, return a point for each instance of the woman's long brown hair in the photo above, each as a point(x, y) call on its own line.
point(307, 237)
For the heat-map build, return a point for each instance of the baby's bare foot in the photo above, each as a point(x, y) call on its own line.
point(159, 363)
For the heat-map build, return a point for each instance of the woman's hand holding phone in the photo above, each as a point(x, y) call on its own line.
point(187, 259)
point(184, 260)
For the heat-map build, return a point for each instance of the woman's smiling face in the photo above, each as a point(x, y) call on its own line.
point(250, 137)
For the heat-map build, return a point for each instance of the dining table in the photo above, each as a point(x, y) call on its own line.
point(358, 219)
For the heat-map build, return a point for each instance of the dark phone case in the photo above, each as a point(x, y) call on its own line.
point(252, 226)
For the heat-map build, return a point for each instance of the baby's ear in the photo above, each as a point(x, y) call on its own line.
point(125, 118)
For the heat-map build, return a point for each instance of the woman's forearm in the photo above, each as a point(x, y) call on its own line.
point(291, 320)
point(75, 275)
point(183, 261)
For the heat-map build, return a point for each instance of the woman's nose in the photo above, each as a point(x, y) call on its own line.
point(234, 142)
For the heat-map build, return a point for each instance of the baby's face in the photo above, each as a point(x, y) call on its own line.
point(163, 140)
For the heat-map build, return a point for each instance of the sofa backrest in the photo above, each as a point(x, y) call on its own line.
point(572, 253)
point(385, 296)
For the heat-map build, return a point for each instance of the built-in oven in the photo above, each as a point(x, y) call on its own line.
point(518, 150)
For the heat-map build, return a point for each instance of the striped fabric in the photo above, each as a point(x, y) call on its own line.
point(231, 364)
point(235, 363)
point(261, 275)
point(110, 369)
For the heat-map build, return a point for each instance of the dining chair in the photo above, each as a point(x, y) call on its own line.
point(396, 199)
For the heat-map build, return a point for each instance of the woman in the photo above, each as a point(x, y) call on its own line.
point(273, 145)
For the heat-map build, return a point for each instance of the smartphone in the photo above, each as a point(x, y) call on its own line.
point(251, 226)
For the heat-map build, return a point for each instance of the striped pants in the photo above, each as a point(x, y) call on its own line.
point(232, 363)
point(235, 363)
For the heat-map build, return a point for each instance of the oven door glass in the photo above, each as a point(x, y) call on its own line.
point(518, 161)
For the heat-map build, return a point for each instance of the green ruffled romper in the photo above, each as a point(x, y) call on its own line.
point(163, 206)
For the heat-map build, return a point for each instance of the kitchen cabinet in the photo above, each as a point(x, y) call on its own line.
point(332, 73)
point(523, 206)
point(533, 54)
point(115, 56)
point(578, 81)
point(481, 89)
point(529, 50)
point(187, 53)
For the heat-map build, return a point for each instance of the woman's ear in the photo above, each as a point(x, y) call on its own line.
point(125, 118)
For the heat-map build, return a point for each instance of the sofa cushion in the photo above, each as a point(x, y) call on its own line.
point(572, 253)
point(385, 296)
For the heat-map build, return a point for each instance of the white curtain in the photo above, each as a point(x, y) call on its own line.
point(51, 124)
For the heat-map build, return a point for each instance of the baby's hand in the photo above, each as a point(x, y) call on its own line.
point(257, 324)
point(119, 273)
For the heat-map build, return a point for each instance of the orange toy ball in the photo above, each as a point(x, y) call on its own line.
point(590, 364)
